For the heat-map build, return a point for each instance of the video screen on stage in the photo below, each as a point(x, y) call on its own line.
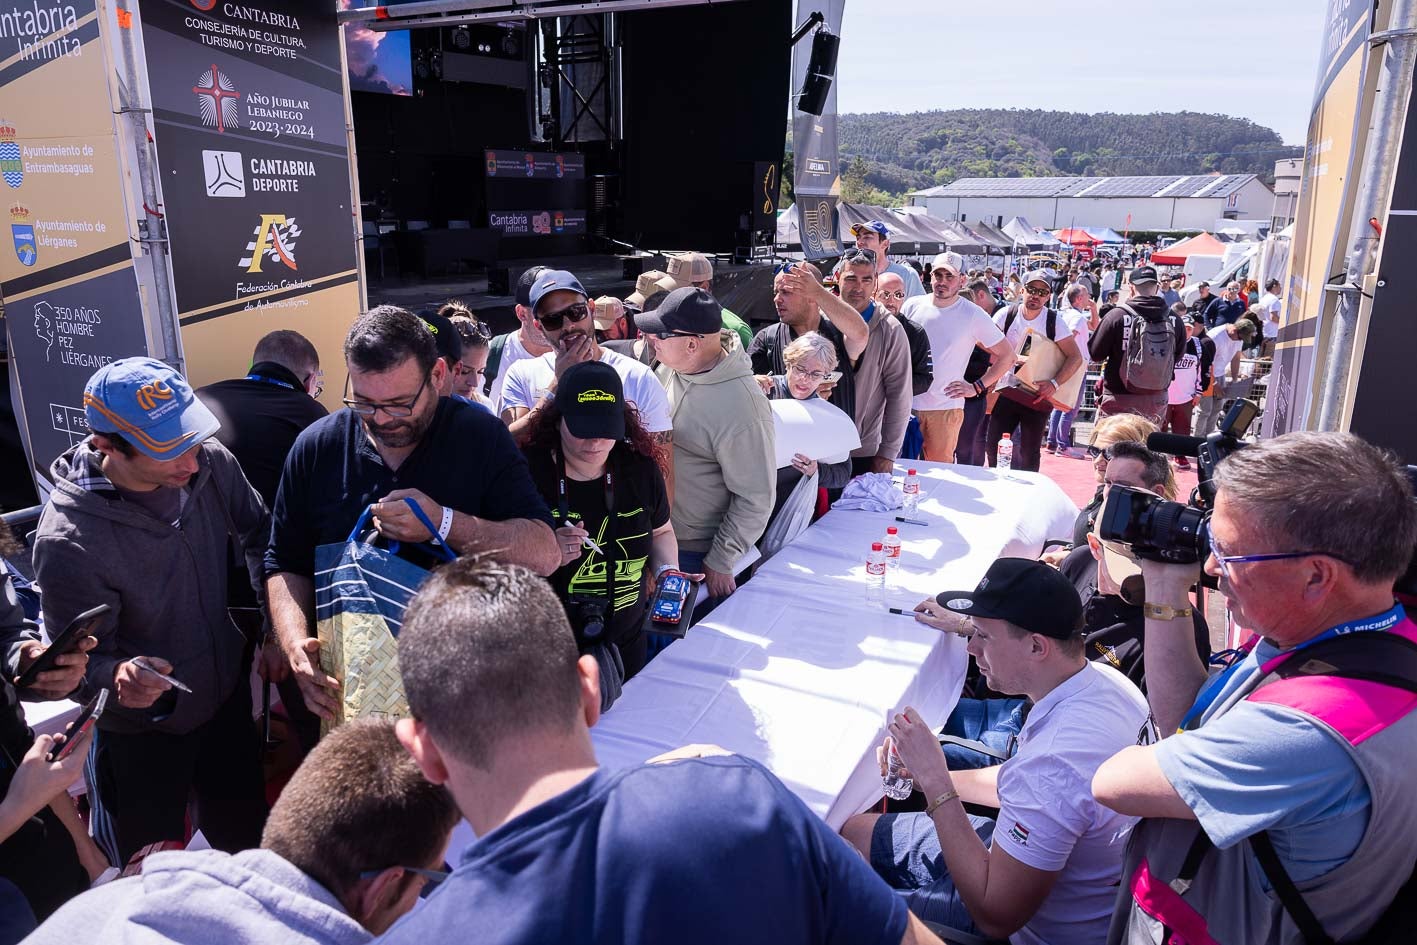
point(535, 193)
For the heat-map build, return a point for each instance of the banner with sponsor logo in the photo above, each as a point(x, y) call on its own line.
point(1340, 110)
point(815, 179)
point(71, 295)
point(249, 116)
point(536, 196)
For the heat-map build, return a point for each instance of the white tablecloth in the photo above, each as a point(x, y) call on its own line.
point(798, 671)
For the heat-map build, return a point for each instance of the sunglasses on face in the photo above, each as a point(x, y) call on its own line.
point(576, 312)
point(1037, 292)
point(892, 295)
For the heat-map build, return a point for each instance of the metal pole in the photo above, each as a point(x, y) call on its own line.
point(1374, 192)
point(152, 228)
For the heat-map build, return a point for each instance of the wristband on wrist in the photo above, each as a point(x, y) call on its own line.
point(447, 524)
point(940, 801)
point(1164, 611)
point(659, 571)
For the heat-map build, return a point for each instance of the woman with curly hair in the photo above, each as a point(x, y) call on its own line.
point(590, 455)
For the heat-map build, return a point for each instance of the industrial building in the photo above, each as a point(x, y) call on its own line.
point(1167, 202)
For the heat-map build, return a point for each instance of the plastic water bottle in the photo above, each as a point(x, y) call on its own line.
point(1005, 458)
point(893, 785)
point(891, 545)
point(876, 574)
point(911, 491)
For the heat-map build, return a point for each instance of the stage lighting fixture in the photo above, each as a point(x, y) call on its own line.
point(462, 37)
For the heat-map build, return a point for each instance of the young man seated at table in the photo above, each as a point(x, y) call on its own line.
point(348, 847)
point(1051, 871)
point(985, 731)
point(706, 848)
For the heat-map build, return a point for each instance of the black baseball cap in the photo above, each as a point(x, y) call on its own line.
point(687, 311)
point(445, 335)
point(1026, 593)
point(1142, 274)
point(525, 283)
point(591, 399)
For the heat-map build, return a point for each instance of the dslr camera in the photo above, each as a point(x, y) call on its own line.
point(1174, 532)
point(587, 614)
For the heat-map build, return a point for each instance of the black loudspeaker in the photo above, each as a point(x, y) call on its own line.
point(821, 68)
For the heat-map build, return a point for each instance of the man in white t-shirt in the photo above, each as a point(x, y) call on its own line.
point(1017, 406)
point(1270, 307)
point(954, 326)
point(561, 311)
point(526, 342)
point(1185, 390)
point(1046, 870)
point(1080, 313)
point(1229, 340)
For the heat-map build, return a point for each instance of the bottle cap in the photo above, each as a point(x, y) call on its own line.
point(892, 530)
point(910, 472)
point(877, 546)
point(1007, 436)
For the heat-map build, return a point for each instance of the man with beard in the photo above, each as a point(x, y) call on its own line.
point(1017, 406)
point(883, 381)
point(525, 342)
point(396, 440)
point(560, 310)
point(804, 305)
point(141, 518)
point(954, 325)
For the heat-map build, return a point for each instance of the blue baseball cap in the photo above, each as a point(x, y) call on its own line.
point(875, 226)
point(150, 405)
point(554, 280)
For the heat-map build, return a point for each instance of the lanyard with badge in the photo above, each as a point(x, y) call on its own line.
point(1212, 689)
point(261, 378)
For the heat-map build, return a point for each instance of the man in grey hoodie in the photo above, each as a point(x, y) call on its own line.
point(350, 844)
point(725, 477)
point(141, 519)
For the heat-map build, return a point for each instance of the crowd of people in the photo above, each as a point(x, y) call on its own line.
point(1104, 778)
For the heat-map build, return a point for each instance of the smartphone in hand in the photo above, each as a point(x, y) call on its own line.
point(81, 726)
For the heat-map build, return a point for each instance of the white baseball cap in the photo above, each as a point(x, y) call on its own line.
point(951, 261)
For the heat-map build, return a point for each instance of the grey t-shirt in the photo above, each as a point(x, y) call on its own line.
point(163, 503)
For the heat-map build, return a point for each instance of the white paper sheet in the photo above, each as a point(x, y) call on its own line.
point(815, 429)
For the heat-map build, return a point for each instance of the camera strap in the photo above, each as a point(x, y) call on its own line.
point(607, 543)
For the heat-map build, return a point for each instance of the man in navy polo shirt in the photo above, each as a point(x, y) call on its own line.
point(701, 847)
point(396, 439)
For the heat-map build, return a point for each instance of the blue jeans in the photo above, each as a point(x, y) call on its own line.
point(1060, 424)
point(905, 852)
point(994, 722)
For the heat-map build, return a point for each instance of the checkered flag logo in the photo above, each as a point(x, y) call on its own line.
point(273, 241)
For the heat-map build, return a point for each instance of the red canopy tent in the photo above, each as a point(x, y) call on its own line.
point(1200, 245)
point(1075, 236)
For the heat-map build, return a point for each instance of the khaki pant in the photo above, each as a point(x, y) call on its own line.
point(940, 428)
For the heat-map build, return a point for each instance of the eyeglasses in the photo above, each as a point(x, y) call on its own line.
point(575, 312)
point(1037, 292)
point(817, 376)
point(319, 377)
point(898, 294)
point(433, 876)
point(859, 255)
point(397, 410)
point(1224, 561)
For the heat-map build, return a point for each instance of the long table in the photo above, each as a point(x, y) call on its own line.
point(798, 671)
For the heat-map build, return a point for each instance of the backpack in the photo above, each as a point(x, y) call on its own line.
point(1376, 657)
point(494, 362)
point(1148, 353)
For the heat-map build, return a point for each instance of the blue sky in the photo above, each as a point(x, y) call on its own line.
point(1254, 59)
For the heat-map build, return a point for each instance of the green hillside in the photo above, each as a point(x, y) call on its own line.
point(885, 155)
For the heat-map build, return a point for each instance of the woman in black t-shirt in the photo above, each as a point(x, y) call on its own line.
point(588, 452)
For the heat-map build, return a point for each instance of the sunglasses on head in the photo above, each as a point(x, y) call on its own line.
point(860, 255)
point(575, 312)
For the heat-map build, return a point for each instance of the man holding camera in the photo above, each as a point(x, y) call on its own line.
point(1308, 534)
